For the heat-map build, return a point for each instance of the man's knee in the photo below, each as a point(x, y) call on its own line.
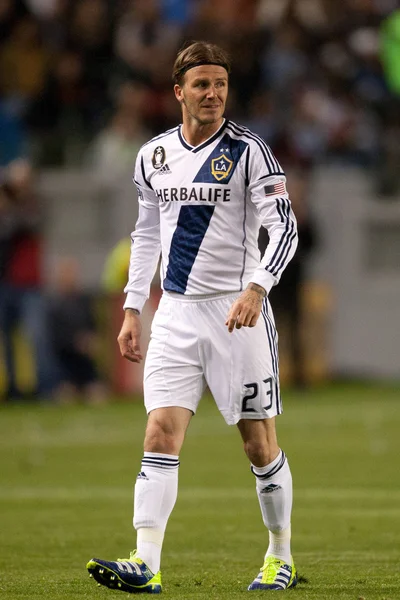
point(258, 452)
point(165, 430)
point(160, 437)
point(259, 440)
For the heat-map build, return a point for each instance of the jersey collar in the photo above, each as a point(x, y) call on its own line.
point(204, 144)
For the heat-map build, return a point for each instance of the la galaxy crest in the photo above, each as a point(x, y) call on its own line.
point(158, 158)
point(221, 167)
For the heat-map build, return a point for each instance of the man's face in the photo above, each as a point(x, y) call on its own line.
point(203, 93)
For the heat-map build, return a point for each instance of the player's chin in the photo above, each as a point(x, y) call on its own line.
point(210, 116)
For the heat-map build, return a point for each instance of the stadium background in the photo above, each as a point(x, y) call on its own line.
point(82, 84)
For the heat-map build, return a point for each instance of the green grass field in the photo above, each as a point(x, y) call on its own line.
point(67, 477)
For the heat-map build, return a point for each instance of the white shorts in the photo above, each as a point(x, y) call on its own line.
point(190, 348)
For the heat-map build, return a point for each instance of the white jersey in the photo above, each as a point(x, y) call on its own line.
point(202, 207)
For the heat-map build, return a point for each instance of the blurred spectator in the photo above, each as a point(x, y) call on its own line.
point(116, 268)
point(75, 338)
point(54, 22)
point(177, 11)
point(62, 63)
point(42, 9)
point(390, 51)
point(145, 43)
point(262, 117)
point(113, 151)
point(22, 301)
point(286, 298)
point(10, 12)
point(24, 62)
point(145, 46)
point(389, 155)
point(91, 34)
point(60, 117)
point(12, 138)
point(284, 61)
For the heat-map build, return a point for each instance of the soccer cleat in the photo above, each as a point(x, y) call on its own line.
point(126, 574)
point(275, 574)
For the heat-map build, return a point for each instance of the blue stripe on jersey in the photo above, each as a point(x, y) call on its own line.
point(193, 222)
point(273, 166)
point(220, 165)
point(282, 250)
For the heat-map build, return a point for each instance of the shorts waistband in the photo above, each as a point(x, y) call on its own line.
point(199, 297)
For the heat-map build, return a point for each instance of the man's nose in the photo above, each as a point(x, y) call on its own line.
point(211, 92)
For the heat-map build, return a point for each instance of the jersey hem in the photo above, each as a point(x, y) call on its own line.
point(199, 297)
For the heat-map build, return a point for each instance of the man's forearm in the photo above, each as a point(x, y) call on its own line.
point(257, 288)
point(132, 311)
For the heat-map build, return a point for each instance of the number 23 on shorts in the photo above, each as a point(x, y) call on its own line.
point(257, 400)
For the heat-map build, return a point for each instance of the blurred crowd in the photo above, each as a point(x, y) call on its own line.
point(87, 81)
point(84, 83)
point(59, 327)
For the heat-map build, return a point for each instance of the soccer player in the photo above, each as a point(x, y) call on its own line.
point(204, 188)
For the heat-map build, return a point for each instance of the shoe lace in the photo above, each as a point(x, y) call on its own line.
point(132, 556)
point(270, 569)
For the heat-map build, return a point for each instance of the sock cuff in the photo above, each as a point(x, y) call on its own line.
point(152, 535)
point(160, 461)
point(271, 469)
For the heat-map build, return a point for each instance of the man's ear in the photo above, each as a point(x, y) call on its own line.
point(178, 92)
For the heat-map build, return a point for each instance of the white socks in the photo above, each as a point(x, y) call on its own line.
point(275, 495)
point(156, 490)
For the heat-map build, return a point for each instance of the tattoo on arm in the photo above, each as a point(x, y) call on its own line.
point(254, 287)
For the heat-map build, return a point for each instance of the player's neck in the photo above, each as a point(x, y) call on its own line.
point(196, 133)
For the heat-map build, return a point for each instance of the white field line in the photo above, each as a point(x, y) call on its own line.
point(99, 493)
point(87, 437)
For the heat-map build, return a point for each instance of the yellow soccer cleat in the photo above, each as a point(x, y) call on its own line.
point(130, 575)
point(275, 574)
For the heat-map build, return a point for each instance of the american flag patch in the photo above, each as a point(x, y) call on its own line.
point(274, 189)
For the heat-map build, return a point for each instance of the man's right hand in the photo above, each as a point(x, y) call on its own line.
point(129, 337)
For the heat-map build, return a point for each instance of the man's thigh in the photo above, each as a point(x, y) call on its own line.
point(241, 368)
point(173, 375)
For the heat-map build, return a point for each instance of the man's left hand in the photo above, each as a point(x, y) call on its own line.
point(245, 311)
